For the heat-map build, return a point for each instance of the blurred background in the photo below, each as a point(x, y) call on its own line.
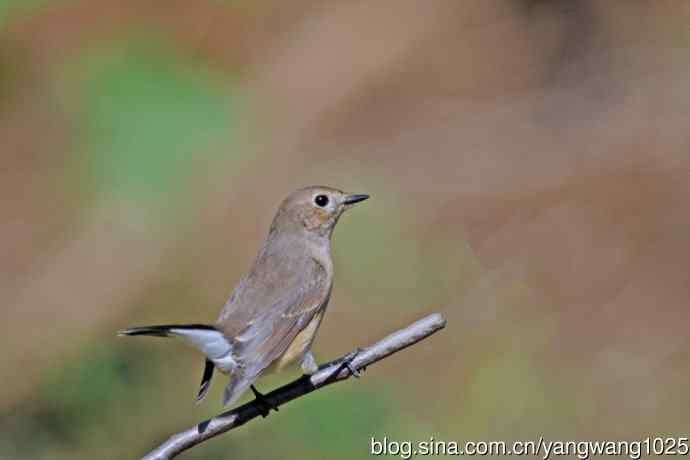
point(529, 168)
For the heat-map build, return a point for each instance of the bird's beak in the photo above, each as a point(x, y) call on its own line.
point(353, 198)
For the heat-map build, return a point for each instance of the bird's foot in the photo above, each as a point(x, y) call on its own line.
point(262, 403)
point(344, 363)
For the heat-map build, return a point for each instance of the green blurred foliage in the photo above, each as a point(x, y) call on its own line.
point(399, 260)
point(401, 271)
point(354, 413)
point(150, 117)
point(10, 9)
point(150, 122)
point(76, 401)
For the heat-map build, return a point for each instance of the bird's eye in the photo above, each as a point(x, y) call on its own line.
point(321, 200)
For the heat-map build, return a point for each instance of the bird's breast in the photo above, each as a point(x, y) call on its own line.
point(299, 345)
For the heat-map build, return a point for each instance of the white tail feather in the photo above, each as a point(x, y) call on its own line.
point(211, 343)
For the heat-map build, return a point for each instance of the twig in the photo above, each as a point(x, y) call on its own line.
point(234, 418)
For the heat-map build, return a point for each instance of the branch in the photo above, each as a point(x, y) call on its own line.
point(234, 418)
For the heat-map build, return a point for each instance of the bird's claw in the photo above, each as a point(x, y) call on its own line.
point(262, 403)
point(354, 372)
point(345, 363)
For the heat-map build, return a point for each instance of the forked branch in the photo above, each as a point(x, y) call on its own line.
point(336, 372)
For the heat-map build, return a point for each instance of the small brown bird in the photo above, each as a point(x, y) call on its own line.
point(272, 315)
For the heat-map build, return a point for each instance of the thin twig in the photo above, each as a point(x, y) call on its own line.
point(234, 418)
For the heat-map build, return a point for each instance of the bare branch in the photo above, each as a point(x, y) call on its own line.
point(234, 418)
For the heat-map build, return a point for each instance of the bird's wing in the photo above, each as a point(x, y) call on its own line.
point(267, 336)
point(270, 333)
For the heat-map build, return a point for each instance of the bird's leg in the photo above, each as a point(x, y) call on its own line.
point(344, 363)
point(308, 364)
point(262, 403)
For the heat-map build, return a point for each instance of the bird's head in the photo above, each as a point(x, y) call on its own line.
point(314, 209)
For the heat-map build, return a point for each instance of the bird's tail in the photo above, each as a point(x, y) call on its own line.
point(165, 330)
point(205, 338)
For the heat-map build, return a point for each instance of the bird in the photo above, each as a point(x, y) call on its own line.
point(271, 318)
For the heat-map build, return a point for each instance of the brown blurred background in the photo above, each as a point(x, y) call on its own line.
point(530, 172)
